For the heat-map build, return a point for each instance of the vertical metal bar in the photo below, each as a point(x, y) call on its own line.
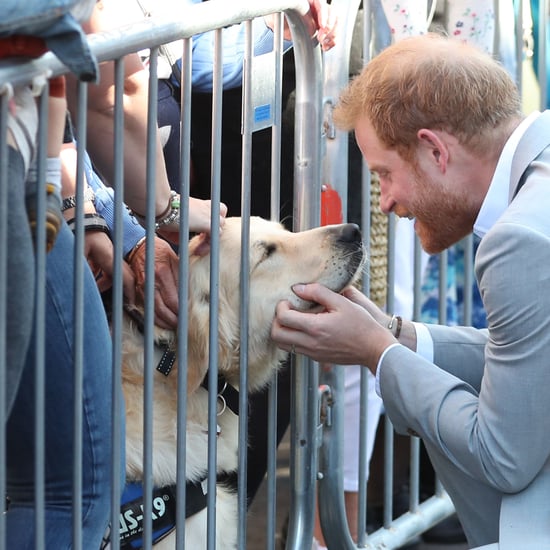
point(363, 406)
point(390, 300)
point(149, 302)
point(519, 44)
point(414, 474)
point(442, 319)
point(418, 272)
point(442, 310)
point(496, 34)
point(40, 316)
point(276, 130)
point(78, 315)
point(330, 487)
point(366, 225)
point(118, 299)
point(306, 214)
point(543, 51)
point(388, 471)
point(364, 419)
point(272, 464)
point(273, 390)
point(4, 99)
point(468, 263)
point(247, 124)
point(183, 296)
point(217, 96)
point(388, 432)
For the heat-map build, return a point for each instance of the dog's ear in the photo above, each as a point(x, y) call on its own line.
point(199, 245)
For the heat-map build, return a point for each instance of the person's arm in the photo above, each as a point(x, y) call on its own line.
point(320, 23)
point(110, 14)
point(100, 130)
point(166, 280)
point(104, 202)
point(98, 247)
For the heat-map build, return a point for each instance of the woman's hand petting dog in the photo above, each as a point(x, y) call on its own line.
point(98, 250)
point(166, 281)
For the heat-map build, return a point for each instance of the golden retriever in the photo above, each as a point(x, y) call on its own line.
point(332, 255)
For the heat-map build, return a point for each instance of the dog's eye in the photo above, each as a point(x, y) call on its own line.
point(263, 251)
point(269, 249)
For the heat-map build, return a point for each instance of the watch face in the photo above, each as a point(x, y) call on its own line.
point(70, 202)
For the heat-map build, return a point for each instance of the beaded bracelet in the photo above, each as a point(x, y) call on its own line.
point(171, 214)
point(92, 222)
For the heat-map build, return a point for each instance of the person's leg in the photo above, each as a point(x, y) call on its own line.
point(469, 497)
point(58, 416)
point(20, 274)
point(168, 116)
point(22, 125)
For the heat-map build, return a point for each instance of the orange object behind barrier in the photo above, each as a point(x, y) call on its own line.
point(331, 206)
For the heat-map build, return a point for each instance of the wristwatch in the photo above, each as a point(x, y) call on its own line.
point(70, 202)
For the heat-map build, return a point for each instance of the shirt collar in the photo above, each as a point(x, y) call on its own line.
point(496, 200)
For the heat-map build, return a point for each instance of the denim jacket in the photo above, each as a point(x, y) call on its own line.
point(133, 232)
point(57, 22)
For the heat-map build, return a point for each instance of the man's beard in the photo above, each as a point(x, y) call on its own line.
point(442, 218)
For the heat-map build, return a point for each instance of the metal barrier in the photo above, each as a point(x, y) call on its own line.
point(115, 45)
point(396, 530)
point(315, 443)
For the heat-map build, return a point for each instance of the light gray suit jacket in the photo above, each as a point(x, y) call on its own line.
point(484, 411)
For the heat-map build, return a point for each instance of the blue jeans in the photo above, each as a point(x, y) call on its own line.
point(20, 273)
point(58, 417)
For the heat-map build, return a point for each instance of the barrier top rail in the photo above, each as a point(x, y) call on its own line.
point(152, 32)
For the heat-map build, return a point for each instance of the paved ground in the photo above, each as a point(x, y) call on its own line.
point(256, 539)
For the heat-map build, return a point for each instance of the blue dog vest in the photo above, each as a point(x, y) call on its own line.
point(164, 512)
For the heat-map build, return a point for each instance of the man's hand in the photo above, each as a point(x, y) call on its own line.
point(343, 333)
point(319, 20)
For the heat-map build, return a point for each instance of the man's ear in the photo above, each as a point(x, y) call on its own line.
point(432, 143)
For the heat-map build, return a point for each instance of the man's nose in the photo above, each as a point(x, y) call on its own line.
point(386, 202)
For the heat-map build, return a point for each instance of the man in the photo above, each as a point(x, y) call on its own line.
point(441, 124)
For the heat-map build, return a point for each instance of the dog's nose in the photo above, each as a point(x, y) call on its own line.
point(349, 233)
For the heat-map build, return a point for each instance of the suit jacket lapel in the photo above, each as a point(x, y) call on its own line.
point(531, 145)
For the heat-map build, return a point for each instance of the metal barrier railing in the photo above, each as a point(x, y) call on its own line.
point(315, 457)
point(421, 515)
point(114, 46)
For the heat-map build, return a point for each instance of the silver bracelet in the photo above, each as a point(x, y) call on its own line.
point(398, 322)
